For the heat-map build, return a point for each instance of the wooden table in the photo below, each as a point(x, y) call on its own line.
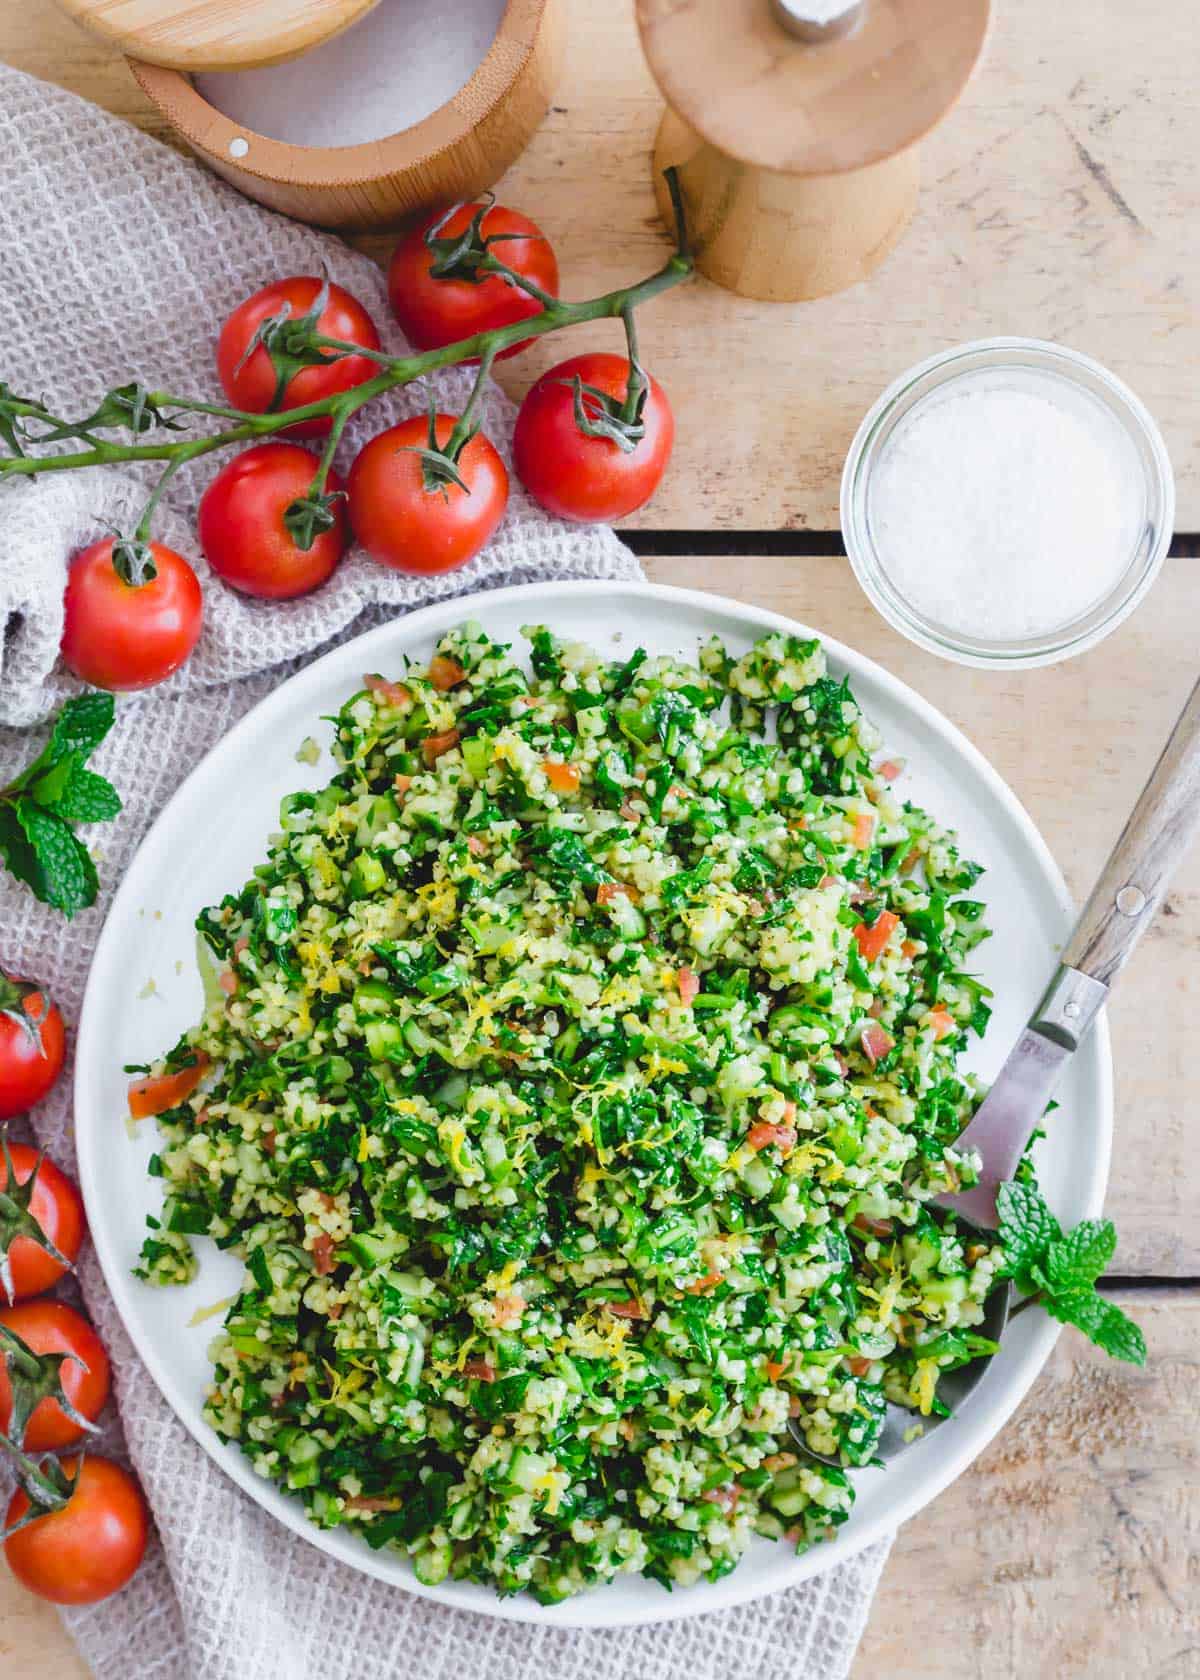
point(1062, 201)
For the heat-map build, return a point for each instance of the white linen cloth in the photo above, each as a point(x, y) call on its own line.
point(120, 261)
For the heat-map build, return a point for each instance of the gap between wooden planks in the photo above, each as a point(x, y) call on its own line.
point(1060, 201)
point(1068, 1551)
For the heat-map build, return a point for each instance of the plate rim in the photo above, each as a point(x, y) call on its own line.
point(587, 1609)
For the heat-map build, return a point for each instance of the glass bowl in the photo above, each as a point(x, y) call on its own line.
point(1088, 382)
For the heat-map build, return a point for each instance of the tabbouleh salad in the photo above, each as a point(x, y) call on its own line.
point(581, 1063)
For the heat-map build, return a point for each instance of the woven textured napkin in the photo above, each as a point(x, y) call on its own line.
point(120, 260)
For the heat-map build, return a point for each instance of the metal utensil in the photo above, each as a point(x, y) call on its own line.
point(1131, 886)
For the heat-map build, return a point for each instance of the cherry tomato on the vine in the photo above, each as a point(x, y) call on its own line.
point(245, 535)
point(125, 636)
point(581, 477)
point(32, 1044)
point(53, 1327)
point(406, 525)
point(434, 310)
point(250, 381)
point(90, 1548)
point(55, 1208)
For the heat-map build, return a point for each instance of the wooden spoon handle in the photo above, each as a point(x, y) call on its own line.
point(1153, 844)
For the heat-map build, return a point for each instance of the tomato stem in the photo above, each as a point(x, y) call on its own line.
point(138, 410)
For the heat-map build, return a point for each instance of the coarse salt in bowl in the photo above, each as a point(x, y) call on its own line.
point(1007, 502)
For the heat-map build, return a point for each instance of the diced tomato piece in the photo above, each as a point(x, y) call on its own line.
point(858, 1366)
point(776, 1368)
point(943, 1023)
point(433, 746)
point(563, 778)
point(507, 1310)
point(862, 830)
point(875, 1227)
point(762, 1135)
point(476, 845)
point(156, 1094)
point(608, 890)
point(629, 813)
point(843, 1066)
point(322, 1253)
point(689, 985)
point(876, 1043)
point(910, 862)
point(391, 693)
point(828, 881)
point(710, 1280)
point(872, 941)
point(482, 1370)
point(779, 1461)
point(401, 784)
point(240, 945)
point(908, 949)
point(445, 673)
point(877, 1008)
point(860, 891)
point(890, 769)
point(726, 1496)
point(228, 982)
point(627, 1309)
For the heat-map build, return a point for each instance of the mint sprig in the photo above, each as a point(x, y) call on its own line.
point(40, 806)
point(1061, 1270)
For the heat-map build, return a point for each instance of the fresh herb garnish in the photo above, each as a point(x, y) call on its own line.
point(40, 807)
point(1061, 1270)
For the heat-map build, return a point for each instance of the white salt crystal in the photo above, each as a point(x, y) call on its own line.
point(386, 72)
point(818, 11)
point(1006, 504)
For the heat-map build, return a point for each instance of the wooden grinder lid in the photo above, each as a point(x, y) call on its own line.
point(757, 93)
point(216, 34)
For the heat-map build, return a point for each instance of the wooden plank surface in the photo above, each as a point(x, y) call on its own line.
point(1069, 1551)
point(1061, 201)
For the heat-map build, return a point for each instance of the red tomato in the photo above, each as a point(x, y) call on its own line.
point(402, 524)
point(581, 477)
point(435, 311)
point(56, 1208)
point(32, 1044)
point(123, 636)
point(53, 1327)
point(92, 1547)
point(250, 385)
point(242, 528)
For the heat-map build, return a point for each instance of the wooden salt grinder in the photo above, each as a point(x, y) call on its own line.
point(797, 149)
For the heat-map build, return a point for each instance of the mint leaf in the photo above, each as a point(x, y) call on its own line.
point(66, 876)
point(50, 785)
point(1081, 1257)
point(37, 808)
point(81, 725)
point(87, 797)
point(1027, 1230)
point(1101, 1321)
point(19, 856)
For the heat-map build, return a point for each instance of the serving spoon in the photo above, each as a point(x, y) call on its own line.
point(1122, 905)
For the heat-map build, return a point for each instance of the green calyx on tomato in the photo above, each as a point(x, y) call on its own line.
point(291, 341)
point(439, 462)
point(311, 514)
point(48, 1485)
point(133, 561)
point(33, 1378)
point(17, 1219)
point(27, 1006)
point(463, 255)
point(619, 419)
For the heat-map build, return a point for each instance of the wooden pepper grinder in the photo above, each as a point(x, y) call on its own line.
point(794, 126)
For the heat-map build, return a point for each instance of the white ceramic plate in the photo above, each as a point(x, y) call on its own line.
point(214, 831)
